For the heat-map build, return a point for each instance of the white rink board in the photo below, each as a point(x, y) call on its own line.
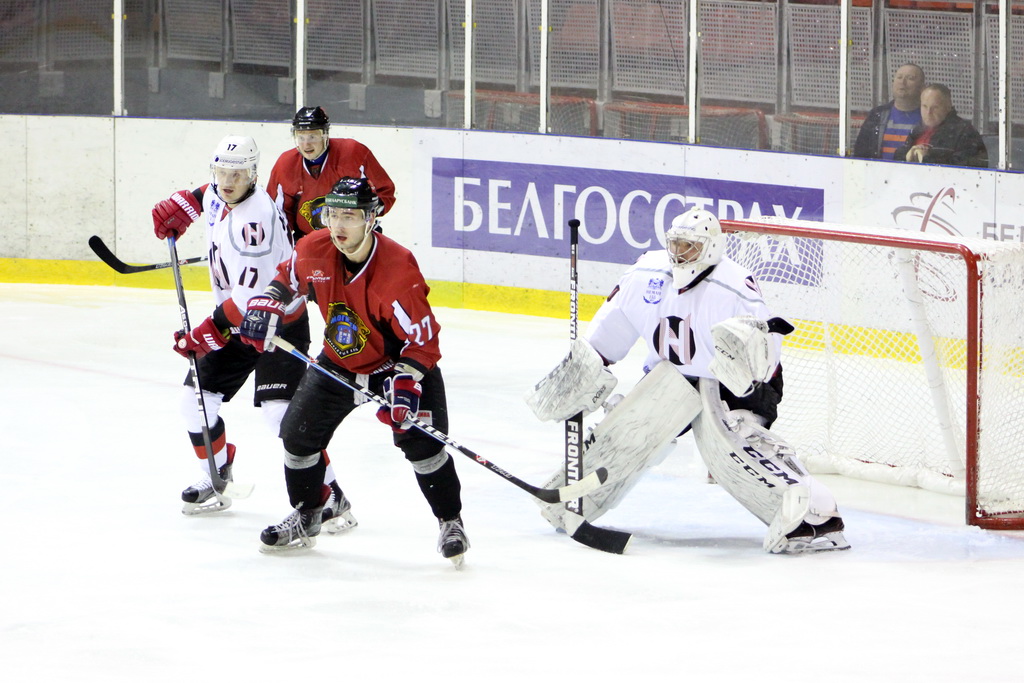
point(120, 167)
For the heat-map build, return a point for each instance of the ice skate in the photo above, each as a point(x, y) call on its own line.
point(808, 538)
point(298, 530)
point(337, 516)
point(200, 497)
point(452, 542)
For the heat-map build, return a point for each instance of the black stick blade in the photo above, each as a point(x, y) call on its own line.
point(107, 256)
point(599, 538)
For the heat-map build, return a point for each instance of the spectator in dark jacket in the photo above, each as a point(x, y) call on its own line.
point(887, 125)
point(943, 137)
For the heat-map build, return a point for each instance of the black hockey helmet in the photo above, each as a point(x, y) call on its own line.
point(354, 193)
point(311, 118)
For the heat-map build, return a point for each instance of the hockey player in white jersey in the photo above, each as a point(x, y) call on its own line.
point(247, 239)
point(712, 364)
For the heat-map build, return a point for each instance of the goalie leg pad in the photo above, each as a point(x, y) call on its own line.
point(600, 501)
point(759, 470)
point(580, 383)
point(634, 436)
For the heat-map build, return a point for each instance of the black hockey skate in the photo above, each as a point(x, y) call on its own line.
point(298, 530)
point(452, 542)
point(200, 497)
point(815, 538)
point(337, 516)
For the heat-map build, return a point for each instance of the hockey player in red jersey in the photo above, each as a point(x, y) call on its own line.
point(380, 333)
point(247, 239)
point(301, 177)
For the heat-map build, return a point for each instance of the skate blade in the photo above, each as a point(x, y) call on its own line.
point(458, 560)
point(210, 506)
point(340, 524)
point(299, 544)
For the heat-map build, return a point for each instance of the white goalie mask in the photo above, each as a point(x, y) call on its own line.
point(695, 243)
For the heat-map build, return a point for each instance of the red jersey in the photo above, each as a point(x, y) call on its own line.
point(374, 318)
point(301, 194)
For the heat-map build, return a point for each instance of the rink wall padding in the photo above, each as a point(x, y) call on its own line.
point(484, 212)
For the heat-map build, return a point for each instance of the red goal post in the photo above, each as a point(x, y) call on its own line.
point(907, 365)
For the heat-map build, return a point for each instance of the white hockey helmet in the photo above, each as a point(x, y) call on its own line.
point(234, 153)
point(695, 243)
point(237, 152)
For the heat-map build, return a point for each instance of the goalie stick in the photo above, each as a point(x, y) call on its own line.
point(108, 257)
point(574, 424)
point(224, 490)
point(582, 487)
point(599, 538)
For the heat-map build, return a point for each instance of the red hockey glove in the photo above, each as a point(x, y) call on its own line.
point(263, 316)
point(201, 340)
point(402, 392)
point(172, 216)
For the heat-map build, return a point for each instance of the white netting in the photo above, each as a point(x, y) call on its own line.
point(871, 379)
point(719, 126)
point(806, 133)
point(520, 112)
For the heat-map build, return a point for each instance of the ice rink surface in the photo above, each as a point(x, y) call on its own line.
point(105, 580)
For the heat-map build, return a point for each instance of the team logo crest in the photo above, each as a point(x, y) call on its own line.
point(654, 289)
point(253, 234)
point(211, 215)
point(346, 333)
point(311, 212)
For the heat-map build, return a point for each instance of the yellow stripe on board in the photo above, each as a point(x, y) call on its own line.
point(510, 299)
point(875, 343)
point(446, 294)
point(37, 271)
point(809, 335)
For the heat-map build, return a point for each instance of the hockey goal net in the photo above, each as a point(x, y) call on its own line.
point(719, 126)
point(907, 363)
point(520, 112)
point(812, 133)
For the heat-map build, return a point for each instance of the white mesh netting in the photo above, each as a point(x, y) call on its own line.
point(877, 387)
point(721, 126)
point(520, 112)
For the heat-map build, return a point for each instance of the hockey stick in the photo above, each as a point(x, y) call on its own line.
point(574, 424)
point(224, 490)
point(589, 483)
point(108, 257)
point(599, 538)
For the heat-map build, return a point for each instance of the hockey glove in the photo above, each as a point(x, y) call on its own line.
point(172, 216)
point(402, 393)
point(262, 318)
point(201, 340)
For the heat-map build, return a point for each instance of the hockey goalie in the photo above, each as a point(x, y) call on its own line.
point(712, 366)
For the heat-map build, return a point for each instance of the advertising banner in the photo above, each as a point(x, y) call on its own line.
point(523, 208)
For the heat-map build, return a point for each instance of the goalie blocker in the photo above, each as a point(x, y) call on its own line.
point(754, 465)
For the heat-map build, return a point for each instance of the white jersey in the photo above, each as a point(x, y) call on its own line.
point(676, 326)
point(246, 244)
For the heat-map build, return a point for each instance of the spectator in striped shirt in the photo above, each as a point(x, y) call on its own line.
point(886, 127)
